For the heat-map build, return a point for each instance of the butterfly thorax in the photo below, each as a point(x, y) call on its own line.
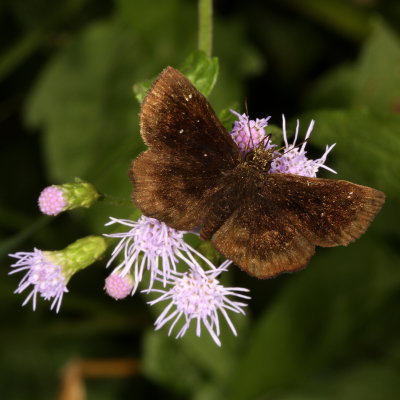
point(235, 187)
point(260, 158)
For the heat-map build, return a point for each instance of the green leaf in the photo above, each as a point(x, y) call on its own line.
point(318, 317)
point(201, 70)
point(86, 107)
point(202, 366)
point(140, 89)
point(217, 362)
point(373, 81)
point(18, 239)
point(210, 391)
point(335, 89)
point(161, 18)
point(343, 17)
point(227, 117)
point(377, 77)
point(366, 381)
point(164, 362)
point(367, 146)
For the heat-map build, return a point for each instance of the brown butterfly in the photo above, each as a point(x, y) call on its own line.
point(193, 176)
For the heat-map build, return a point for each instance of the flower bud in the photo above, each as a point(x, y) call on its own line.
point(119, 286)
point(58, 198)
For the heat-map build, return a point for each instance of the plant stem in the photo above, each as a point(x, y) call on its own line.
point(205, 26)
point(116, 201)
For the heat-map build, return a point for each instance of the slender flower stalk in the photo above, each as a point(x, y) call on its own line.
point(197, 295)
point(48, 272)
point(150, 245)
point(205, 31)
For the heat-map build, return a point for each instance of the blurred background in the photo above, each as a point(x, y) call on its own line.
point(67, 110)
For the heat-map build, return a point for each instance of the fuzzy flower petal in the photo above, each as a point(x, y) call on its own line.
point(118, 286)
point(51, 200)
point(150, 245)
point(248, 134)
point(293, 160)
point(44, 277)
point(48, 272)
point(58, 198)
point(197, 295)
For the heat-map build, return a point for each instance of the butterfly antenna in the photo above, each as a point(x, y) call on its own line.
point(289, 150)
point(302, 144)
point(265, 140)
point(246, 108)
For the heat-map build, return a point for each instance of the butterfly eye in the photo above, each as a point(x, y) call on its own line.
point(249, 156)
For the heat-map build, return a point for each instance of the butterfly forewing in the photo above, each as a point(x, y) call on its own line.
point(176, 117)
point(330, 212)
point(189, 150)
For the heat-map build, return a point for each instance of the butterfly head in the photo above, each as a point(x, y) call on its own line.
point(261, 156)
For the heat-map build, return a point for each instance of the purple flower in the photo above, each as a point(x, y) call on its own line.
point(118, 286)
point(150, 245)
point(51, 200)
point(248, 133)
point(48, 272)
point(43, 275)
point(58, 198)
point(198, 295)
point(293, 160)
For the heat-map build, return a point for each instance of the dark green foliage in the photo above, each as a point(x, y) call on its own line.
point(69, 76)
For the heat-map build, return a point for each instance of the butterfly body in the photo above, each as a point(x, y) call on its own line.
point(194, 176)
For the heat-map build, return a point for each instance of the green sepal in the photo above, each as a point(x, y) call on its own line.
point(79, 194)
point(78, 255)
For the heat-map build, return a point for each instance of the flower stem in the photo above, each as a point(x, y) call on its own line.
point(205, 26)
point(115, 201)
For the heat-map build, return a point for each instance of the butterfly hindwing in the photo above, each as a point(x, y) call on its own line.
point(277, 225)
point(262, 241)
